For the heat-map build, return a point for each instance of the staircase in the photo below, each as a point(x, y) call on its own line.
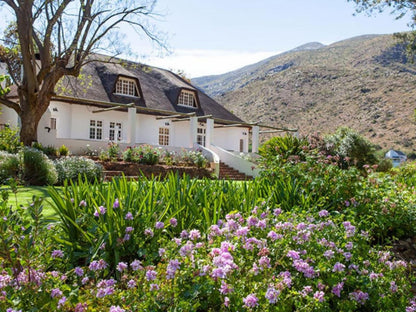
point(228, 173)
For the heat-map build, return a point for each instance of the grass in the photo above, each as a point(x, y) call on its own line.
point(25, 194)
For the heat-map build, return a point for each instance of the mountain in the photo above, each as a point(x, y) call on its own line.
point(365, 83)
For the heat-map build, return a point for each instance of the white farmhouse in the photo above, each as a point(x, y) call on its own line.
point(396, 156)
point(132, 104)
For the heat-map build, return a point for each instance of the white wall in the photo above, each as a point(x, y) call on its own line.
point(9, 116)
point(229, 138)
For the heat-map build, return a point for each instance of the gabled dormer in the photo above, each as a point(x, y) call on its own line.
point(127, 86)
point(188, 98)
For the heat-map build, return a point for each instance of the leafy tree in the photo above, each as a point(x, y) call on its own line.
point(50, 39)
point(400, 8)
point(351, 147)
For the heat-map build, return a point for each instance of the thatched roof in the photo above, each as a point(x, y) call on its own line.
point(159, 89)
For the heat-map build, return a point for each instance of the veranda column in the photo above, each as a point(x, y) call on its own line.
point(193, 126)
point(131, 126)
point(255, 139)
point(209, 132)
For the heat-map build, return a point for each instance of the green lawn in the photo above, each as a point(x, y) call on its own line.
point(25, 195)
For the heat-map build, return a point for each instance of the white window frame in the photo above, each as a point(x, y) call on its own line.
point(52, 123)
point(127, 87)
point(201, 136)
point(187, 98)
point(96, 130)
point(164, 136)
point(113, 127)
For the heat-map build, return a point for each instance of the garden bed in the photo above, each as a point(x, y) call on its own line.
point(135, 169)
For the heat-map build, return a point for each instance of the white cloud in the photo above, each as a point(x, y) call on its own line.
point(197, 63)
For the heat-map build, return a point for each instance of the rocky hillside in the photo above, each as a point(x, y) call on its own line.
point(365, 83)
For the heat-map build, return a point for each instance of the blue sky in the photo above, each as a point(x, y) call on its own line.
point(216, 36)
point(208, 37)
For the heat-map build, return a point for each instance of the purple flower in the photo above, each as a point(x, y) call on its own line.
point(336, 290)
point(162, 251)
point(136, 265)
point(61, 302)
point(116, 309)
point(293, 254)
point(129, 229)
point(393, 287)
point(82, 203)
point(319, 295)
point(159, 225)
point(251, 301)
point(277, 211)
point(79, 271)
point(225, 288)
point(329, 254)
point(171, 269)
point(154, 287)
point(57, 254)
point(102, 210)
point(226, 301)
point(148, 232)
point(151, 275)
point(131, 284)
point(338, 267)
point(116, 203)
point(56, 292)
point(173, 222)
point(359, 296)
point(272, 295)
point(121, 266)
point(129, 216)
point(323, 213)
point(194, 234)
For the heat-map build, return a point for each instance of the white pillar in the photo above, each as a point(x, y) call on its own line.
point(209, 132)
point(131, 126)
point(255, 139)
point(193, 126)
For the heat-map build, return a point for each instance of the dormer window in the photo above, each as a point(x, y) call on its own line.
point(126, 86)
point(187, 98)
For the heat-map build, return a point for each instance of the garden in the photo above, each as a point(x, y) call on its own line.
point(313, 233)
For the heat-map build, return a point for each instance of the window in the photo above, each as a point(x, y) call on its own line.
point(187, 98)
point(115, 131)
point(163, 136)
point(241, 145)
point(201, 136)
point(53, 124)
point(126, 86)
point(96, 129)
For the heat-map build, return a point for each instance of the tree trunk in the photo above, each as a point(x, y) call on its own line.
point(28, 128)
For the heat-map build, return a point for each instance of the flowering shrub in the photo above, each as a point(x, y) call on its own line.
point(143, 154)
point(70, 168)
point(268, 260)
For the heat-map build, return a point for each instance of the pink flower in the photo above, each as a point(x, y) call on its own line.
point(121, 266)
point(319, 295)
point(251, 301)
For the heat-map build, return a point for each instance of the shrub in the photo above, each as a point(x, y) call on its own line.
point(37, 168)
point(113, 151)
point(69, 168)
point(194, 158)
point(351, 147)
point(280, 149)
point(128, 154)
point(146, 154)
point(9, 140)
point(63, 150)
point(9, 166)
point(50, 151)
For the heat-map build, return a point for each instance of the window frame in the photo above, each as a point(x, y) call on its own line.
point(96, 130)
point(184, 99)
point(112, 131)
point(164, 136)
point(128, 84)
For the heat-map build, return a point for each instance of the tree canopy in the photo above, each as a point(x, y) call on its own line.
point(49, 39)
point(399, 8)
